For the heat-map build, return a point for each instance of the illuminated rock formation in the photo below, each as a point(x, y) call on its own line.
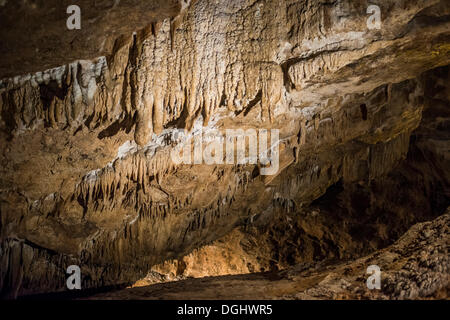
point(87, 177)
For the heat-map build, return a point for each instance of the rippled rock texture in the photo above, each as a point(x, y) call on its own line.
point(87, 178)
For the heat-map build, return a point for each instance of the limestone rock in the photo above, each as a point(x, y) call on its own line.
point(87, 176)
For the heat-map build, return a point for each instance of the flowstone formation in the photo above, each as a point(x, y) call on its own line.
point(87, 176)
point(415, 266)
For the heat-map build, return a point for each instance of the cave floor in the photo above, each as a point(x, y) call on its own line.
point(415, 266)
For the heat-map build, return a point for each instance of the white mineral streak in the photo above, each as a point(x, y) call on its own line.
point(333, 42)
point(300, 66)
point(128, 147)
point(185, 66)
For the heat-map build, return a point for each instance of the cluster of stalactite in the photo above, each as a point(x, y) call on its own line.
point(260, 64)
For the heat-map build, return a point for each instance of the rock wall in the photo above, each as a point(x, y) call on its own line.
point(87, 177)
point(35, 36)
point(350, 220)
point(414, 267)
